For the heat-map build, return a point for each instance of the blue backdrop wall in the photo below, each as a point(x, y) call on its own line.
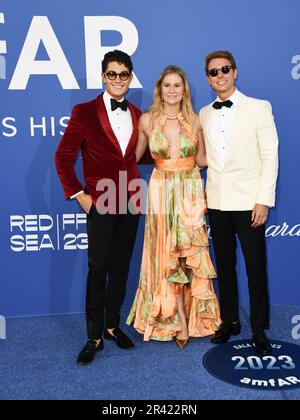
point(50, 57)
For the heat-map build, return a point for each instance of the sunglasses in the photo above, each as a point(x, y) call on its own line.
point(215, 72)
point(112, 75)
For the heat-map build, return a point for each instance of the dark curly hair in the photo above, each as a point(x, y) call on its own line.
point(120, 57)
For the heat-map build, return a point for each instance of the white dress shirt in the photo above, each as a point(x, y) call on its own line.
point(221, 127)
point(121, 124)
point(120, 121)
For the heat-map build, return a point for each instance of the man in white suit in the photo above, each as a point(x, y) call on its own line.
point(242, 155)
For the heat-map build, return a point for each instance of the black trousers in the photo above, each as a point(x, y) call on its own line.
point(225, 227)
point(111, 241)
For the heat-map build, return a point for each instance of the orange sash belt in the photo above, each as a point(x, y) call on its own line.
point(174, 165)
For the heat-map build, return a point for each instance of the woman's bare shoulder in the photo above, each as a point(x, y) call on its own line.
point(145, 119)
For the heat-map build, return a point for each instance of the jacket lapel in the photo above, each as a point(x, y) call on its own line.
point(237, 129)
point(134, 136)
point(104, 121)
point(238, 126)
point(208, 118)
point(206, 130)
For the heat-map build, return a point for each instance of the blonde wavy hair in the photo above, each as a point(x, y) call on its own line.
point(157, 106)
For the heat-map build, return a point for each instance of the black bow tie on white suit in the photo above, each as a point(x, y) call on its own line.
point(115, 104)
point(219, 105)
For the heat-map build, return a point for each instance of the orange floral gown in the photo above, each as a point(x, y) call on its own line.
point(175, 231)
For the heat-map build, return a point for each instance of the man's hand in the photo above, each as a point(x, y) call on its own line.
point(85, 201)
point(259, 215)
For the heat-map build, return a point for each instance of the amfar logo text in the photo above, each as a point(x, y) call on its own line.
point(296, 329)
point(2, 328)
point(41, 32)
point(2, 51)
point(296, 69)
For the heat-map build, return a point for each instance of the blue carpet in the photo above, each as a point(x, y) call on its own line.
point(37, 361)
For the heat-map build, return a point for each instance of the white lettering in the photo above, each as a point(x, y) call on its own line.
point(296, 329)
point(73, 219)
point(293, 380)
point(29, 232)
point(42, 125)
point(31, 223)
point(2, 328)
point(2, 68)
point(283, 230)
point(295, 231)
point(41, 31)
point(242, 346)
point(281, 382)
point(272, 382)
point(52, 120)
point(3, 50)
point(47, 125)
point(13, 129)
point(43, 225)
point(128, 411)
point(17, 243)
point(46, 243)
point(257, 382)
point(95, 51)
point(63, 123)
point(296, 69)
point(16, 222)
point(31, 243)
point(245, 381)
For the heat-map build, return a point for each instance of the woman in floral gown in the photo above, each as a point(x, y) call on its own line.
point(175, 296)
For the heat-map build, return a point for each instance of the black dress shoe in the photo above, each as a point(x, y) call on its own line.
point(120, 338)
point(88, 352)
point(225, 331)
point(262, 344)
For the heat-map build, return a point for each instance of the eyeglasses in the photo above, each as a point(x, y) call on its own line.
point(112, 75)
point(215, 72)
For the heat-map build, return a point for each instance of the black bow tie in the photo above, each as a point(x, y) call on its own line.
point(219, 105)
point(115, 104)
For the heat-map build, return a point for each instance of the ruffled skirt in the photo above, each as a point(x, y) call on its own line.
point(175, 257)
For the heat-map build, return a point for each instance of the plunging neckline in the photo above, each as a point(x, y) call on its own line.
point(177, 146)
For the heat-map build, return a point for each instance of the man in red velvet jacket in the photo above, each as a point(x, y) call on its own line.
point(105, 131)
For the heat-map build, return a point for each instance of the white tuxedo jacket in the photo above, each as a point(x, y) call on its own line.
point(249, 174)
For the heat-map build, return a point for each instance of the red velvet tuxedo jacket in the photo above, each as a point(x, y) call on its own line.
point(89, 132)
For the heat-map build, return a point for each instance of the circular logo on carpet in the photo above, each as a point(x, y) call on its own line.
point(238, 363)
